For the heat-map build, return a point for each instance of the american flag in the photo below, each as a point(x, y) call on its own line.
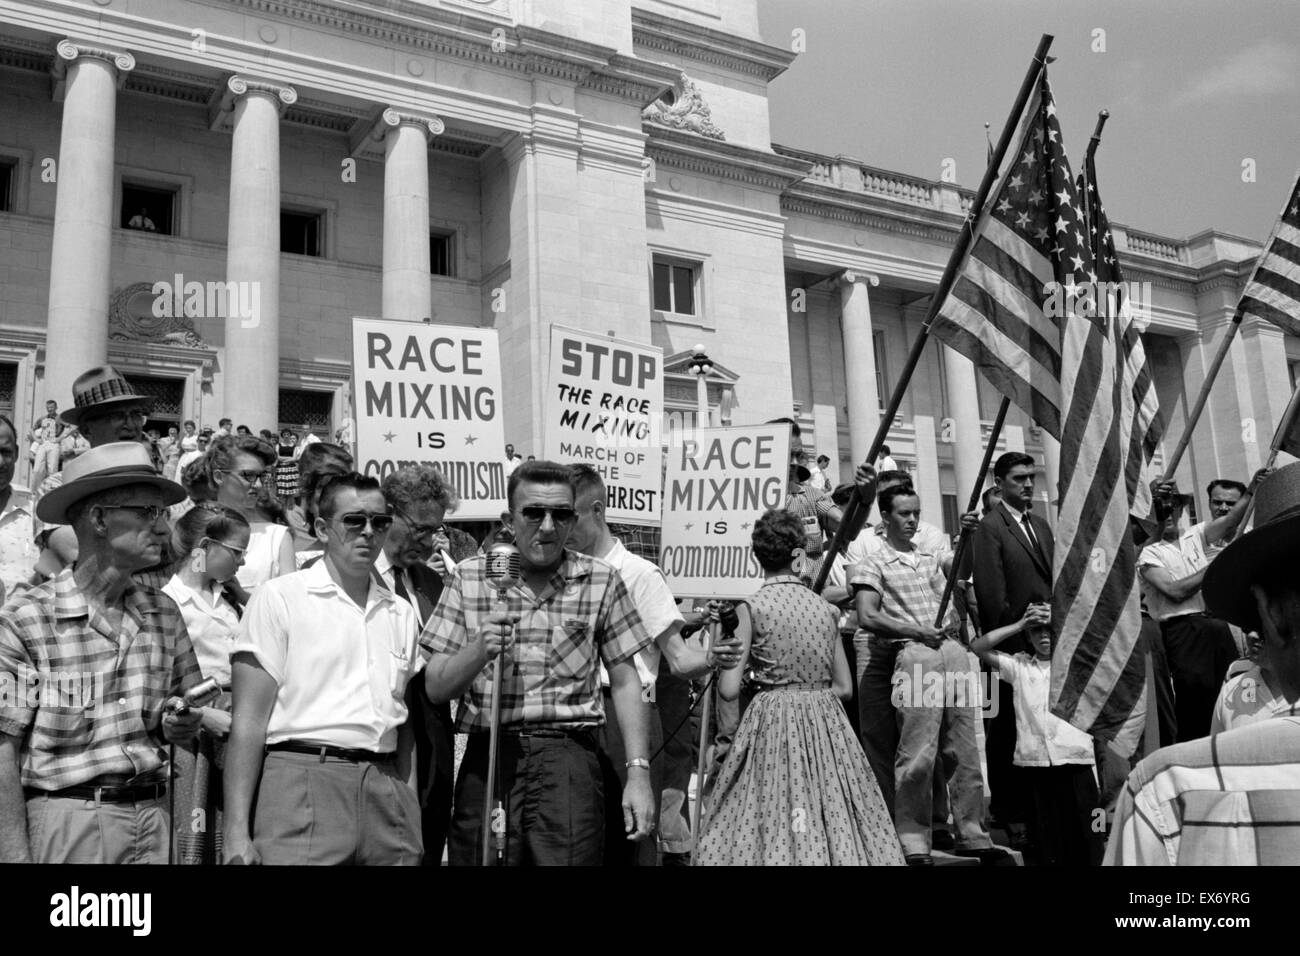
point(1111, 429)
point(1026, 310)
point(1027, 241)
point(1273, 292)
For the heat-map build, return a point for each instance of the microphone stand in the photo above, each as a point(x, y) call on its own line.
point(494, 819)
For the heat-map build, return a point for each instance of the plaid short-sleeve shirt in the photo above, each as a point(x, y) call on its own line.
point(83, 698)
point(910, 583)
point(550, 671)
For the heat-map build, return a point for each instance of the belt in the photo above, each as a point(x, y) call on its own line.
point(342, 753)
point(103, 794)
point(795, 685)
point(580, 733)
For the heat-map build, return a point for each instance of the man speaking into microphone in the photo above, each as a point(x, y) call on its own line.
point(566, 609)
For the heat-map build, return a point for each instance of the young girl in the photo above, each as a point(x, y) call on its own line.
point(1057, 759)
point(795, 788)
point(210, 541)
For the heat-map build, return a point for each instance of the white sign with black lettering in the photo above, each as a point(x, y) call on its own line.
point(719, 482)
point(431, 394)
point(604, 408)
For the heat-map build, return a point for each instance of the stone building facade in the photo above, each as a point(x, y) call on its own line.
point(205, 193)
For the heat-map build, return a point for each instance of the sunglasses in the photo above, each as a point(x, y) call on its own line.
point(356, 521)
point(419, 530)
point(150, 513)
point(236, 551)
point(249, 478)
point(536, 514)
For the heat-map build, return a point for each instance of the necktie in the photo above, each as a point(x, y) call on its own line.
point(400, 589)
point(1029, 533)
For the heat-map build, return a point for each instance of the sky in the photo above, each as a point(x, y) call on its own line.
point(1202, 94)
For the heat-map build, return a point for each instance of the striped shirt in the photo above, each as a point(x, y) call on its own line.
point(551, 677)
point(910, 583)
point(85, 699)
point(1230, 799)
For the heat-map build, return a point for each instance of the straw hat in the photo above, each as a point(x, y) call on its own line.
point(108, 466)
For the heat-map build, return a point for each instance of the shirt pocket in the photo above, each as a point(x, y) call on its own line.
point(573, 646)
point(399, 671)
point(65, 728)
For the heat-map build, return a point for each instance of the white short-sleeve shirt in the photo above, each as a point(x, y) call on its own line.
point(212, 623)
point(653, 601)
point(262, 560)
point(1181, 558)
point(1042, 738)
point(341, 670)
point(18, 552)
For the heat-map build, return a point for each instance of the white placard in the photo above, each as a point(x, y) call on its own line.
point(604, 408)
point(431, 394)
point(719, 482)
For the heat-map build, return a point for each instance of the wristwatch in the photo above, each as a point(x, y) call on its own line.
point(638, 762)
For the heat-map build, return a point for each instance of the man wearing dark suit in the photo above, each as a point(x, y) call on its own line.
point(1012, 568)
point(420, 498)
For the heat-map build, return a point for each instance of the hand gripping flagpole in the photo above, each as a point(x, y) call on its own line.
point(851, 516)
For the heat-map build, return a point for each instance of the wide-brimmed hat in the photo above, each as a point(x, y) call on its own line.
point(108, 466)
point(1274, 539)
point(99, 389)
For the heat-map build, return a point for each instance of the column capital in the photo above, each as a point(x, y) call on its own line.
point(69, 50)
point(849, 277)
point(392, 118)
point(238, 86)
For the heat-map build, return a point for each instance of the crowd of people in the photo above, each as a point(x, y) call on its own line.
point(218, 646)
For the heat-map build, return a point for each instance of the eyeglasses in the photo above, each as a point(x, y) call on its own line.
point(419, 530)
point(236, 551)
point(150, 512)
point(249, 478)
point(356, 521)
point(536, 514)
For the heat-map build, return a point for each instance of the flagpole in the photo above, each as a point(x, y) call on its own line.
point(975, 493)
point(1102, 116)
point(964, 236)
point(1185, 438)
point(1279, 438)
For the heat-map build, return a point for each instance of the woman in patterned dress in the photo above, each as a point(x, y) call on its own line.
point(796, 788)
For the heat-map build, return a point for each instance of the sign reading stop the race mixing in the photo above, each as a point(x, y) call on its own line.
point(604, 408)
point(720, 481)
point(431, 394)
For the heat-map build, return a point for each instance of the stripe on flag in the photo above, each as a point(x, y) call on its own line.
point(1273, 292)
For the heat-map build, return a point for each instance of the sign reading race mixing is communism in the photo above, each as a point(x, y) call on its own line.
point(719, 482)
point(604, 408)
point(431, 394)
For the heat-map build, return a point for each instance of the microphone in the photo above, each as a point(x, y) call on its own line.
point(504, 569)
point(200, 695)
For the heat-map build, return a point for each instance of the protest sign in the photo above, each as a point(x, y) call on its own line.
point(604, 408)
point(719, 482)
point(431, 394)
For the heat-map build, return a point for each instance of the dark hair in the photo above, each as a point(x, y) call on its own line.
point(221, 453)
point(1224, 483)
point(794, 426)
point(537, 473)
point(205, 520)
point(584, 478)
point(412, 484)
point(190, 421)
point(1008, 460)
point(891, 476)
point(319, 460)
point(267, 436)
point(885, 500)
point(823, 458)
point(884, 449)
point(776, 536)
point(4, 420)
point(224, 421)
point(194, 479)
point(331, 485)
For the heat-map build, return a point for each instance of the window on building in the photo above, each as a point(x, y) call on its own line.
point(675, 285)
point(442, 260)
point(302, 232)
point(878, 350)
point(8, 183)
point(305, 411)
point(951, 520)
point(149, 208)
point(168, 396)
point(9, 393)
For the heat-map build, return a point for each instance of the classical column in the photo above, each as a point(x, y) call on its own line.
point(251, 369)
point(407, 291)
point(964, 410)
point(859, 361)
point(77, 320)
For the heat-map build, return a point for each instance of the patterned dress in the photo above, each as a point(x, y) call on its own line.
point(796, 789)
